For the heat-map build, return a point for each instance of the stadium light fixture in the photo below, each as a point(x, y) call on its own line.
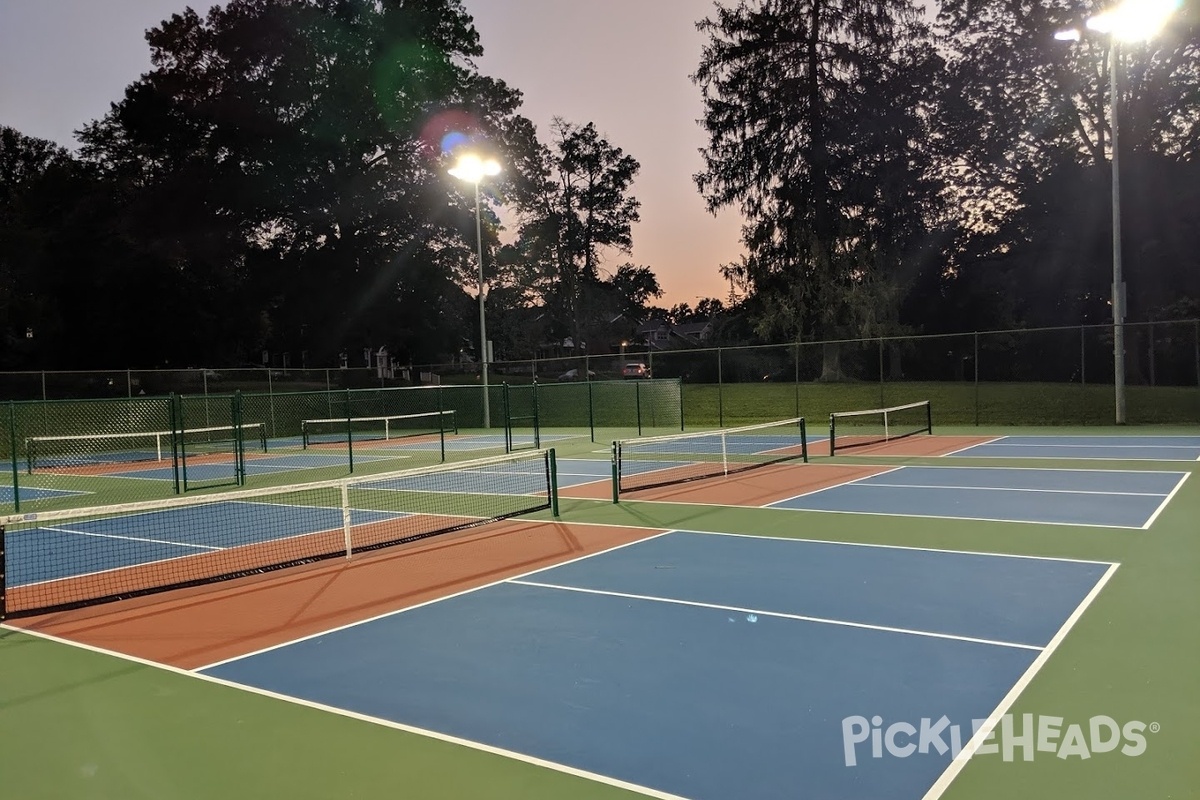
point(1131, 21)
point(473, 169)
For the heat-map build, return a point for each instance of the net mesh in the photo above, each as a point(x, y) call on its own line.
point(678, 458)
point(64, 559)
point(382, 428)
point(849, 429)
point(51, 452)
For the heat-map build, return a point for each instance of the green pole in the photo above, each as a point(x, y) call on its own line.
point(720, 397)
point(553, 467)
point(591, 412)
point(349, 433)
point(173, 414)
point(679, 385)
point(12, 436)
point(976, 379)
point(882, 400)
point(507, 418)
point(637, 400)
point(796, 381)
point(537, 419)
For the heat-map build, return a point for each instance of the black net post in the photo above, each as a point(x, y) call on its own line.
point(552, 466)
point(616, 472)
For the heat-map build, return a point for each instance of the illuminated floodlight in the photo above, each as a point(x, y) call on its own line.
point(473, 168)
point(1072, 35)
point(1134, 20)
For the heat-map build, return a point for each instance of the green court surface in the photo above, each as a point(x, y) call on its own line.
point(80, 723)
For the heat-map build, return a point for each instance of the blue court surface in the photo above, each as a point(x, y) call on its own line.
point(701, 665)
point(33, 493)
point(81, 547)
point(1118, 448)
point(1106, 498)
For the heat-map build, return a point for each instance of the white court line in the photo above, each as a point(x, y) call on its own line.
point(970, 446)
point(1106, 445)
point(827, 488)
point(1165, 501)
point(897, 547)
point(1105, 470)
point(128, 538)
point(777, 614)
point(963, 519)
point(995, 489)
point(993, 719)
point(341, 712)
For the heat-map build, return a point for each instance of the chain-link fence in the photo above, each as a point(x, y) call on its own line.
point(1059, 376)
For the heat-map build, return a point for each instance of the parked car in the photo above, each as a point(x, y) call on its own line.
point(573, 375)
point(635, 370)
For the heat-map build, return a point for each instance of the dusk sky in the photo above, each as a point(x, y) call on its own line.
point(622, 64)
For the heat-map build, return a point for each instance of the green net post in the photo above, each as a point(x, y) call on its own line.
point(616, 472)
point(553, 467)
point(12, 438)
point(831, 435)
point(796, 376)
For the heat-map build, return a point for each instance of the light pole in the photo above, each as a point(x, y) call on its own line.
point(473, 169)
point(1131, 21)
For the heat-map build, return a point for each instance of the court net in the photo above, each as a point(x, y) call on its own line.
point(94, 449)
point(433, 424)
point(64, 559)
point(681, 457)
point(849, 429)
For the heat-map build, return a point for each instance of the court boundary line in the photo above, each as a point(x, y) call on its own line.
point(993, 440)
point(128, 538)
point(342, 712)
point(777, 614)
point(985, 730)
point(960, 519)
point(1080, 458)
point(902, 547)
point(997, 489)
point(1166, 501)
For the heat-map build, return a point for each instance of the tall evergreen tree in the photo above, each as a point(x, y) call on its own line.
point(816, 111)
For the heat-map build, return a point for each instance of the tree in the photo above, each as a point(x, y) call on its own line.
point(1025, 145)
point(815, 112)
point(573, 203)
point(286, 158)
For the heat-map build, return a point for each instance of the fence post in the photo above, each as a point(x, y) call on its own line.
point(12, 436)
point(796, 376)
point(1082, 355)
point(349, 432)
point(591, 411)
point(976, 379)
point(1150, 350)
point(1196, 343)
point(44, 398)
point(637, 400)
point(720, 393)
point(882, 400)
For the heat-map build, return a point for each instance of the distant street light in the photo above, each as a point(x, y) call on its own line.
point(473, 169)
point(1131, 21)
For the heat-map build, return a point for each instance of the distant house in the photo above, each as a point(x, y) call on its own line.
point(659, 334)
